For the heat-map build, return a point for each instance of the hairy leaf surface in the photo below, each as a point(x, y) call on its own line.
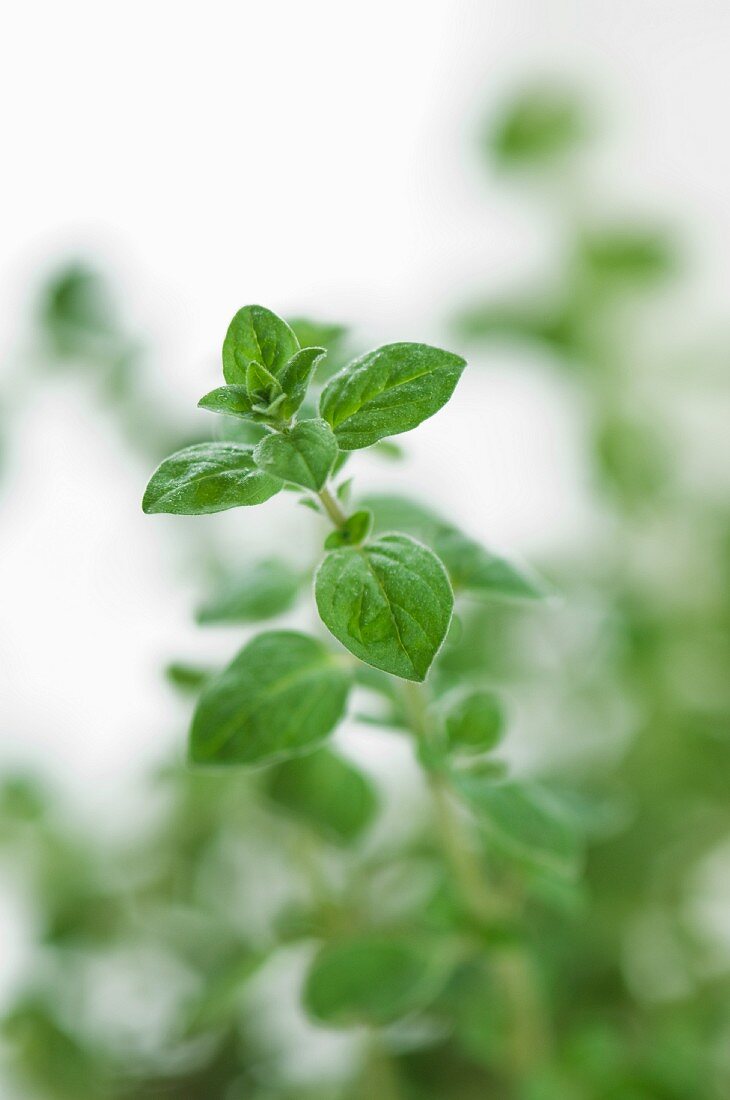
point(388, 391)
point(303, 455)
point(388, 602)
point(256, 335)
point(208, 477)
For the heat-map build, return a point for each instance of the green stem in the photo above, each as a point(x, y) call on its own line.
point(528, 1042)
point(380, 1079)
point(463, 860)
point(332, 508)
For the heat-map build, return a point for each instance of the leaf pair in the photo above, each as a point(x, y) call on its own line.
point(385, 392)
point(211, 477)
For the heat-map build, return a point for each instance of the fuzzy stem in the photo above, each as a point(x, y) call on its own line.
point(332, 507)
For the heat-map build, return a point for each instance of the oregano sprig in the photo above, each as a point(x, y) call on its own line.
point(385, 589)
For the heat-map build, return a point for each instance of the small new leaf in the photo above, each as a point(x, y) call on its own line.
point(208, 477)
point(388, 391)
point(282, 695)
point(303, 455)
point(230, 401)
point(261, 384)
point(388, 602)
point(355, 530)
point(256, 335)
point(295, 376)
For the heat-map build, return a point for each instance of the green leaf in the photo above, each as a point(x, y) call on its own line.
point(388, 391)
point(633, 255)
point(542, 124)
point(474, 722)
point(187, 677)
point(262, 386)
point(371, 979)
point(261, 591)
point(525, 820)
point(282, 695)
point(388, 602)
point(354, 531)
point(229, 400)
point(295, 377)
point(208, 477)
point(312, 333)
point(472, 568)
point(303, 455)
point(325, 791)
point(256, 335)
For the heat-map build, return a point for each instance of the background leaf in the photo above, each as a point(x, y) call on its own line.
point(526, 820)
point(283, 694)
point(371, 979)
point(474, 722)
point(327, 792)
point(472, 568)
point(260, 591)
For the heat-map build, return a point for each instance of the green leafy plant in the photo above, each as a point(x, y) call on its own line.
point(385, 589)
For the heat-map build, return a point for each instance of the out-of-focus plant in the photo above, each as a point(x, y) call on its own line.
point(641, 993)
point(385, 589)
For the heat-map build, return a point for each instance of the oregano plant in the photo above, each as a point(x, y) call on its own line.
point(385, 588)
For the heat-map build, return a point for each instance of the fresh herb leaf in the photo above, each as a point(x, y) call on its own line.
point(354, 531)
point(388, 602)
point(303, 455)
point(208, 477)
point(388, 391)
point(256, 335)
